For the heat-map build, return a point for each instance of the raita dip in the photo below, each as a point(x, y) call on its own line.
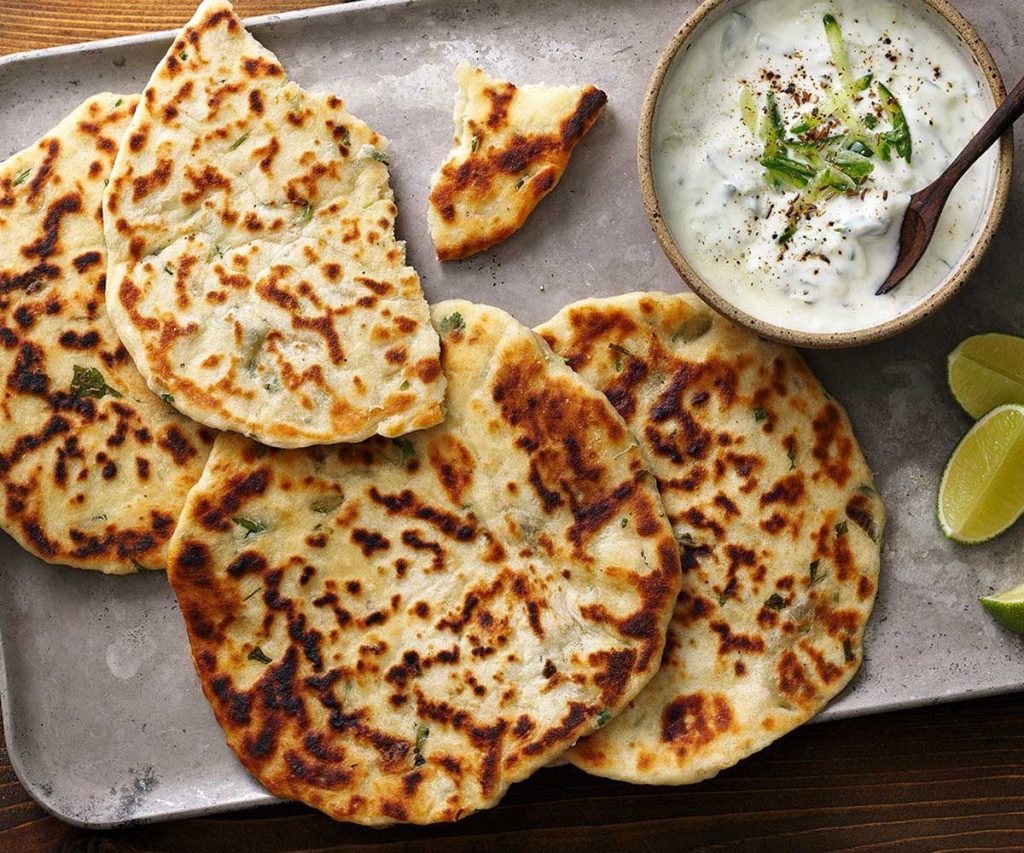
point(788, 139)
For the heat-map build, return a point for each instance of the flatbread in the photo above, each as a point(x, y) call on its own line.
point(776, 515)
point(94, 468)
point(512, 145)
point(396, 631)
point(254, 273)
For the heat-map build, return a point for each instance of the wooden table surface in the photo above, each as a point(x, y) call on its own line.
point(942, 778)
point(31, 24)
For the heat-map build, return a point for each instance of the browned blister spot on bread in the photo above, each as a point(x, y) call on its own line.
point(695, 721)
point(152, 181)
point(860, 510)
point(832, 448)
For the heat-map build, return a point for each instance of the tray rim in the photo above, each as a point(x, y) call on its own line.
point(46, 801)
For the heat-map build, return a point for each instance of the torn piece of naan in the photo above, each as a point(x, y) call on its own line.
point(253, 269)
point(512, 145)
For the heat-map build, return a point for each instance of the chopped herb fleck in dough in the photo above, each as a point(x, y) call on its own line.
point(816, 574)
point(452, 323)
point(327, 503)
point(249, 525)
point(405, 446)
point(422, 733)
point(89, 382)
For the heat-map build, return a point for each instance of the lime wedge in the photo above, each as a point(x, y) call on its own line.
point(987, 371)
point(982, 488)
point(1007, 608)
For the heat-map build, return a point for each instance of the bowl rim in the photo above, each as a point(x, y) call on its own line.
point(931, 303)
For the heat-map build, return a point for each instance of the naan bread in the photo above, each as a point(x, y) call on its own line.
point(94, 468)
point(396, 631)
point(254, 273)
point(512, 145)
point(777, 519)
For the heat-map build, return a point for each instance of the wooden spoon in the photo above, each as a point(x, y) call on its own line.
point(926, 205)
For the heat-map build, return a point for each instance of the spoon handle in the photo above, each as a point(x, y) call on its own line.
point(1005, 115)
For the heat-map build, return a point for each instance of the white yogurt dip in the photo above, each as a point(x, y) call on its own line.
point(807, 249)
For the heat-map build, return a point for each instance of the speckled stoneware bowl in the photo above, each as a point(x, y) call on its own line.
point(709, 11)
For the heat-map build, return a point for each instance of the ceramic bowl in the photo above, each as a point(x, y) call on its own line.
point(915, 312)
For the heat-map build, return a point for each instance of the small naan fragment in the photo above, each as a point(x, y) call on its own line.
point(511, 146)
point(777, 519)
point(253, 270)
point(395, 631)
point(94, 467)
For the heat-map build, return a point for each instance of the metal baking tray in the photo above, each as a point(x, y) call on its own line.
point(105, 720)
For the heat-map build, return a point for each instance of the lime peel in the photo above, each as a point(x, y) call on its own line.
point(986, 371)
point(1007, 608)
point(982, 489)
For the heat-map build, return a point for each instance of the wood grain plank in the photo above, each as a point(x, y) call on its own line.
point(30, 24)
point(949, 778)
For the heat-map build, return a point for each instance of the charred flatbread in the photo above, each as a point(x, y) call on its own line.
point(777, 518)
point(398, 630)
point(94, 467)
point(254, 274)
point(512, 145)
